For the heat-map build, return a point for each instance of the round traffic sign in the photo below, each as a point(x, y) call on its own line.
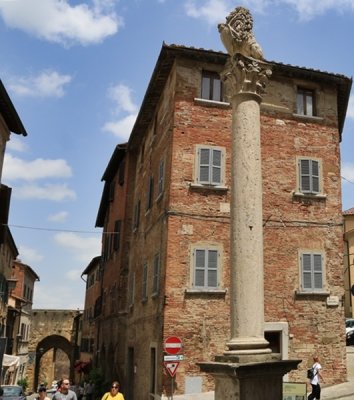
point(173, 345)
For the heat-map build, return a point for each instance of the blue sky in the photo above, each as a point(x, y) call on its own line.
point(77, 72)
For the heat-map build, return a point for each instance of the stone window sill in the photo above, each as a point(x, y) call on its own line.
point(301, 292)
point(308, 117)
point(205, 291)
point(197, 186)
point(211, 103)
point(320, 196)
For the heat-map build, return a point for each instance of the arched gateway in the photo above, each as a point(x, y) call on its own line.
point(53, 346)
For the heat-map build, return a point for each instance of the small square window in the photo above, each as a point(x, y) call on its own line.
point(211, 86)
point(305, 102)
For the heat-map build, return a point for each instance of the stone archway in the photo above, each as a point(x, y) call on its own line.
point(54, 342)
point(52, 331)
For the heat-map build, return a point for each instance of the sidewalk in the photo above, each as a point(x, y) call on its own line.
point(343, 390)
point(337, 392)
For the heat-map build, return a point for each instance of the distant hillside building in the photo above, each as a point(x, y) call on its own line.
point(165, 211)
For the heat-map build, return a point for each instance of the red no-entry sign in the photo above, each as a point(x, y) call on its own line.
point(173, 345)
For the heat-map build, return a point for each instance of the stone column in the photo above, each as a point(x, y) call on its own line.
point(247, 370)
point(246, 80)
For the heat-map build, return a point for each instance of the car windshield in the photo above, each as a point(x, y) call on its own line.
point(11, 391)
point(349, 323)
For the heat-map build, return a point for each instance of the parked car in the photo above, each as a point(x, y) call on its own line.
point(349, 331)
point(12, 392)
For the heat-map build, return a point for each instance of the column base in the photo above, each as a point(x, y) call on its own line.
point(248, 381)
point(247, 345)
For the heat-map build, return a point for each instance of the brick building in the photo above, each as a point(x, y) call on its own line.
point(165, 211)
point(349, 261)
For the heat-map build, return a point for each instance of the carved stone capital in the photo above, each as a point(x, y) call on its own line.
point(245, 75)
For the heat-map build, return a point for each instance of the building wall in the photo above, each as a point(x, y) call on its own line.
point(349, 261)
point(111, 341)
point(292, 223)
point(188, 215)
point(148, 243)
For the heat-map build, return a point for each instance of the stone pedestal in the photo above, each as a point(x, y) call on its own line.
point(248, 381)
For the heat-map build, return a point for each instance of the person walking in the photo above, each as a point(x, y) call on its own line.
point(42, 393)
point(315, 381)
point(88, 390)
point(64, 392)
point(114, 393)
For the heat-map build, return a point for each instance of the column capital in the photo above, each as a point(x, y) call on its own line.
point(245, 75)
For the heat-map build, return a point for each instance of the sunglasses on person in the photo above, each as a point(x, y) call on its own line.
point(115, 387)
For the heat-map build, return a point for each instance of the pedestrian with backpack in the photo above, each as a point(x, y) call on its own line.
point(315, 381)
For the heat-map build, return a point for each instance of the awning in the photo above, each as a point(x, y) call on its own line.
point(10, 361)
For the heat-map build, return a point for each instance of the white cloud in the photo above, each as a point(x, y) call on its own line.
point(64, 298)
point(52, 192)
point(29, 256)
point(215, 11)
point(121, 128)
point(308, 9)
point(61, 216)
point(83, 248)
point(16, 144)
point(46, 84)
point(347, 172)
point(18, 169)
point(73, 274)
point(59, 22)
point(123, 102)
point(122, 96)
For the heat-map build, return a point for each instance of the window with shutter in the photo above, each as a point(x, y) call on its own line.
point(206, 265)
point(145, 282)
point(161, 178)
point(156, 274)
point(312, 271)
point(210, 166)
point(150, 193)
point(309, 181)
point(136, 215)
point(117, 229)
point(309, 176)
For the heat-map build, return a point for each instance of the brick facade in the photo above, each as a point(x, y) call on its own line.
point(188, 216)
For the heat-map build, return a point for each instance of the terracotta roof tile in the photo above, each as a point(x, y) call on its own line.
point(349, 212)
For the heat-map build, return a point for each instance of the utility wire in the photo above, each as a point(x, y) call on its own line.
point(349, 181)
point(36, 228)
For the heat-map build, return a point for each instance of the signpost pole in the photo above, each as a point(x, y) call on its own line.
point(173, 347)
